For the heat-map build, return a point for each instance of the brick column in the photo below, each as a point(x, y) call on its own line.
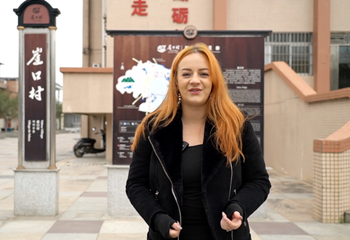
point(321, 46)
point(331, 183)
point(220, 15)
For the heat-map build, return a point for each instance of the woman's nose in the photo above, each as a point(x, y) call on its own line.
point(195, 79)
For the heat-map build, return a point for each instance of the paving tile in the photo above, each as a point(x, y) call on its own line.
point(7, 184)
point(6, 214)
point(6, 205)
point(9, 170)
point(8, 199)
point(63, 206)
point(72, 186)
point(299, 217)
point(94, 194)
point(298, 209)
point(121, 236)
point(292, 186)
point(69, 196)
point(331, 237)
point(100, 185)
point(65, 226)
point(276, 228)
point(6, 177)
point(276, 196)
point(82, 198)
point(70, 236)
point(290, 196)
point(272, 216)
point(95, 204)
point(286, 237)
point(298, 195)
point(124, 226)
point(84, 177)
point(325, 229)
point(21, 236)
point(5, 193)
point(26, 226)
point(83, 215)
point(253, 235)
point(104, 173)
point(36, 218)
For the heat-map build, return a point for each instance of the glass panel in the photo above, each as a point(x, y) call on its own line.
point(334, 67)
point(280, 53)
point(300, 59)
point(267, 54)
point(344, 66)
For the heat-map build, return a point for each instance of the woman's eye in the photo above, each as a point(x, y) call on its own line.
point(205, 74)
point(186, 74)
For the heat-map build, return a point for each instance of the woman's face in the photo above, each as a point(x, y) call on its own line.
point(194, 80)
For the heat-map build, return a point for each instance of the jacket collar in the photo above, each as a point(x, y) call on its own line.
point(167, 142)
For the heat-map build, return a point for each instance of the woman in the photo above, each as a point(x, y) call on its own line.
point(197, 170)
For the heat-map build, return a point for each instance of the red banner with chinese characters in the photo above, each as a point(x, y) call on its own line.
point(35, 97)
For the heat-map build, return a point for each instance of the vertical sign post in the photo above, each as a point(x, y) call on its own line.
point(36, 176)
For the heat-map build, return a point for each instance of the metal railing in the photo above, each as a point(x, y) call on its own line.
point(293, 48)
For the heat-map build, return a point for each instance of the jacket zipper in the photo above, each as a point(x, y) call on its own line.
point(229, 193)
point(172, 185)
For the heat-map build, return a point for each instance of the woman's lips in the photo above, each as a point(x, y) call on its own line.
point(195, 91)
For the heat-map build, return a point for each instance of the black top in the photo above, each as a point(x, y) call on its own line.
point(194, 220)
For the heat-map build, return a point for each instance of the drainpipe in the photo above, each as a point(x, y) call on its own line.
point(86, 33)
point(104, 17)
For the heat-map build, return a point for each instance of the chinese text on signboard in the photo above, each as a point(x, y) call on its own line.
point(35, 97)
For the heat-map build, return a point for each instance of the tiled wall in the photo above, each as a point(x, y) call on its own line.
point(331, 183)
point(291, 125)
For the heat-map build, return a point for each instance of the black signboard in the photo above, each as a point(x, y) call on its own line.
point(35, 97)
point(241, 55)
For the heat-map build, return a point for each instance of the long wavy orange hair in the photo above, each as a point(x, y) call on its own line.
point(222, 112)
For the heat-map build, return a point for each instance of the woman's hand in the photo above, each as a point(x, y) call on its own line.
point(231, 224)
point(175, 229)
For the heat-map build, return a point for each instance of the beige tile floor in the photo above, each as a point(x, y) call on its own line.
point(83, 205)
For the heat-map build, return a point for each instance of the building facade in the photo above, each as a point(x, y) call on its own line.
point(307, 57)
point(10, 85)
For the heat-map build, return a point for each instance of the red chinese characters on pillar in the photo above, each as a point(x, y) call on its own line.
point(180, 15)
point(140, 8)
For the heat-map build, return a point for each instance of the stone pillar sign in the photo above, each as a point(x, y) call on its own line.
point(36, 176)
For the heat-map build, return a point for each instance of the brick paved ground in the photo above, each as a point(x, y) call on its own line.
point(83, 205)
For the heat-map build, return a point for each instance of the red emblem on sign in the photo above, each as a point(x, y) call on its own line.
point(180, 15)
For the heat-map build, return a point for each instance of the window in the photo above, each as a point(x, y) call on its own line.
point(340, 60)
point(293, 48)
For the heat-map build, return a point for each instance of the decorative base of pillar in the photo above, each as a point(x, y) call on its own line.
point(36, 192)
point(118, 203)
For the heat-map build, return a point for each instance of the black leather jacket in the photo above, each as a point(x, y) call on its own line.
point(154, 183)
